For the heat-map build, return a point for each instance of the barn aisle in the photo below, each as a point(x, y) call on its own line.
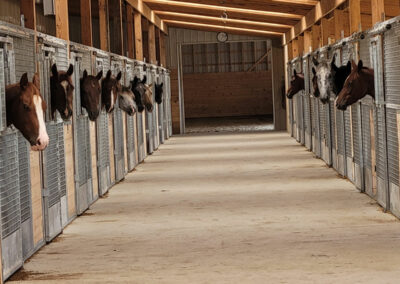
point(226, 208)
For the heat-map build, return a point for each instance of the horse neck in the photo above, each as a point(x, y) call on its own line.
point(368, 76)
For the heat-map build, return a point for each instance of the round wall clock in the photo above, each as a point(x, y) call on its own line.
point(222, 37)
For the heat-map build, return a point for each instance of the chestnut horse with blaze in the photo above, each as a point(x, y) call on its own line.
point(25, 110)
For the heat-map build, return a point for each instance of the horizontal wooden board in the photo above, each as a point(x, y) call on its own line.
point(228, 94)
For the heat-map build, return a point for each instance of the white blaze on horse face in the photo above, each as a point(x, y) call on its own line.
point(43, 138)
point(112, 100)
point(324, 82)
point(65, 84)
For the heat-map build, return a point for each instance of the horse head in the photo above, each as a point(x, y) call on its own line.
point(324, 77)
point(126, 101)
point(159, 92)
point(139, 90)
point(110, 89)
point(25, 109)
point(296, 84)
point(340, 75)
point(62, 92)
point(90, 94)
point(315, 83)
point(359, 83)
point(148, 97)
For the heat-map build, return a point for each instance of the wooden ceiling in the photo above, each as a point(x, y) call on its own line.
point(252, 17)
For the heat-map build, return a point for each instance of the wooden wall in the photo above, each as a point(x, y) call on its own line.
point(228, 94)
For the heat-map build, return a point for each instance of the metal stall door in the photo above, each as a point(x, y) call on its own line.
point(156, 136)
point(10, 195)
point(103, 143)
point(347, 54)
point(130, 121)
point(149, 116)
point(298, 116)
point(81, 130)
point(117, 65)
point(161, 118)
point(381, 193)
point(290, 102)
point(139, 72)
point(391, 68)
point(168, 111)
point(306, 103)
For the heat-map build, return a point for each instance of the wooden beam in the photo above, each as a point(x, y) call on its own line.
point(327, 31)
point(130, 31)
point(121, 28)
point(152, 44)
point(295, 48)
point(290, 51)
point(62, 28)
point(384, 9)
point(138, 36)
point(316, 37)
point(222, 28)
point(342, 24)
point(144, 10)
point(360, 15)
point(163, 57)
point(28, 9)
point(103, 23)
point(300, 45)
point(86, 22)
point(307, 42)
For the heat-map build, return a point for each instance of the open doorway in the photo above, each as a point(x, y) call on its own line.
point(227, 86)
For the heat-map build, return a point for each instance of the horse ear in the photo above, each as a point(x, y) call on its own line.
point(348, 66)
point(36, 81)
point(108, 74)
point(315, 61)
point(333, 65)
point(295, 72)
point(162, 84)
point(70, 70)
point(360, 65)
point(54, 70)
point(23, 83)
point(119, 76)
point(353, 65)
point(144, 80)
point(135, 80)
point(313, 70)
point(99, 75)
point(85, 74)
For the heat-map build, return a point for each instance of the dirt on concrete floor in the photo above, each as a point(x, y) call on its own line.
point(226, 208)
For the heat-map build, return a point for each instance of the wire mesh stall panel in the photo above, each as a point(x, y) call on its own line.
point(156, 136)
point(102, 63)
point(381, 192)
point(53, 51)
point(306, 102)
point(131, 132)
point(18, 57)
point(298, 104)
point(291, 123)
point(168, 110)
point(347, 54)
point(391, 69)
point(81, 58)
point(160, 115)
point(149, 123)
point(117, 65)
point(314, 111)
point(141, 117)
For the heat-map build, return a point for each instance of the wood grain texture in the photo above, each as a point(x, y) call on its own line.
point(36, 194)
point(62, 26)
point(69, 167)
point(175, 101)
point(228, 94)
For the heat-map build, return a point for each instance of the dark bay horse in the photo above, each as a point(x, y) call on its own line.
point(25, 110)
point(90, 94)
point(315, 83)
point(110, 89)
point(62, 92)
point(126, 100)
point(142, 95)
point(296, 84)
point(359, 84)
point(159, 93)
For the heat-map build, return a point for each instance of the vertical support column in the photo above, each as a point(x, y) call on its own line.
point(383, 10)
point(121, 28)
point(316, 37)
point(278, 86)
point(290, 51)
point(327, 32)
point(86, 22)
point(163, 57)
point(307, 42)
point(300, 45)
point(138, 36)
point(360, 15)
point(130, 31)
point(152, 44)
point(103, 23)
point(62, 28)
point(28, 9)
point(342, 24)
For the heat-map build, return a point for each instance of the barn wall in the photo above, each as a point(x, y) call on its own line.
point(10, 11)
point(228, 94)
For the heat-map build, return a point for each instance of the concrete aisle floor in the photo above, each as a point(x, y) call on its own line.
point(226, 208)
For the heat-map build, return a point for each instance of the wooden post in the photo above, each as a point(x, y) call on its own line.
point(342, 25)
point(152, 44)
point(307, 42)
point(138, 36)
point(28, 9)
point(163, 57)
point(384, 9)
point(62, 28)
point(130, 31)
point(86, 22)
point(316, 37)
point(290, 51)
point(360, 15)
point(300, 45)
point(103, 23)
point(121, 29)
point(326, 31)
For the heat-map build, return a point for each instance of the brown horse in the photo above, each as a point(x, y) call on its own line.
point(90, 94)
point(25, 110)
point(296, 84)
point(359, 84)
point(110, 89)
point(62, 92)
point(126, 101)
point(315, 83)
point(148, 97)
